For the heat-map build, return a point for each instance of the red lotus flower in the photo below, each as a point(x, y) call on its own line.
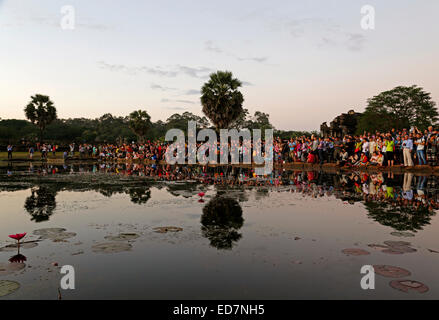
point(17, 236)
point(201, 194)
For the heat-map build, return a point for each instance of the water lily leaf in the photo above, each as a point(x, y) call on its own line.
point(400, 246)
point(24, 245)
point(397, 243)
point(409, 285)
point(378, 246)
point(391, 271)
point(123, 237)
point(402, 234)
point(8, 287)
point(8, 268)
point(111, 247)
point(355, 252)
point(54, 234)
point(167, 229)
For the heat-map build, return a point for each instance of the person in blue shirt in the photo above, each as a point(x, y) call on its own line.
point(407, 147)
point(9, 152)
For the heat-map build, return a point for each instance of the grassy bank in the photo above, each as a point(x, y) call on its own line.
point(25, 156)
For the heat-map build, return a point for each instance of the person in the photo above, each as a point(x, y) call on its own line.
point(72, 149)
point(344, 156)
point(420, 146)
point(44, 152)
point(321, 148)
point(380, 159)
point(31, 152)
point(9, 152)
point(407, 147)
point(365, 147)
point(432, 148)
point(390, 147)
point(374, 159)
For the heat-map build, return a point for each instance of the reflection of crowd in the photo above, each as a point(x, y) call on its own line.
point(404, 202)
point(405, 190)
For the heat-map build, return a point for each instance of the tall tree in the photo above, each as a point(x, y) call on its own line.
point(401, 107)
point(221, 99)
point(41, 112)
point(140, 122)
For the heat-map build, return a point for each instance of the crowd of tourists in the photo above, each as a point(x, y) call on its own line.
point(396, 147)
point(407, 147)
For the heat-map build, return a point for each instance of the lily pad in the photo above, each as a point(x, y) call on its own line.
point(8, 287)
point(393, 247)
point(24, 245)
point(355, 252)
point(378, 246)
point(167, 229)
point(391, 271)
point(111, 247)
point(8, 268)
point(54, 234)
point(409, 285)
point(397, 243)
point(123, 237)
point(399, 246)
point(392, 251)
point(402, 234)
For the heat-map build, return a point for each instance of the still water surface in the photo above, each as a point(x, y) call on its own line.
point(280, 237)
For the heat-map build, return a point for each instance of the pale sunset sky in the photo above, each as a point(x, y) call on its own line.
point(303, 62)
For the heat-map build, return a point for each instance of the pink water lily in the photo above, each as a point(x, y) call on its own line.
point(18, 237)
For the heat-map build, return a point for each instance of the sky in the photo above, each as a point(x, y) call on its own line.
point(303, 62)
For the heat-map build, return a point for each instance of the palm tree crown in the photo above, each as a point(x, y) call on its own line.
point(221, 99)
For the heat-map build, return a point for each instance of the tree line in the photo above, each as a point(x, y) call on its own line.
point(222, 106)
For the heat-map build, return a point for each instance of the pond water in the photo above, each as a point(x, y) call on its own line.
point(143, 232)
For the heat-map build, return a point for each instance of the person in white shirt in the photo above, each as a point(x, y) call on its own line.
point(365, 148)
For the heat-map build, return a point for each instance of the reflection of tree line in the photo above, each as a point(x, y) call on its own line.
point(404, 202)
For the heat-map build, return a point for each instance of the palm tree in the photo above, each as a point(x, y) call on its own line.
point(140, 122)
point(221, 99)
point(41, 112)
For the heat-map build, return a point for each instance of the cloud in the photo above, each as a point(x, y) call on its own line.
point(165, 100)
point(209, 46)
point(323, 32)
point(355, 41)
point(192, 92)
point(255, 59)
point(246, 83)
point(155, 86)
point(350, 41)
point(53, 21)
point(170, 72)
point(200, 72)
point(176, 108)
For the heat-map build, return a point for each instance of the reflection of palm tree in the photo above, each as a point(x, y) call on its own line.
point(221, 220)
point(41, 203)
point(140, 195)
